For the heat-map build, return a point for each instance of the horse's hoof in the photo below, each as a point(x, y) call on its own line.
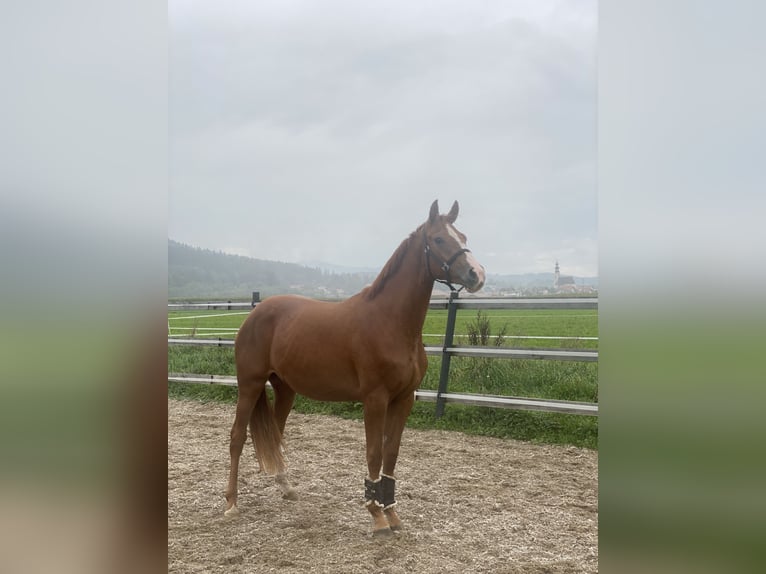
point(290, 495)
point(382, 533)
point(396, 527)
point(231, 512)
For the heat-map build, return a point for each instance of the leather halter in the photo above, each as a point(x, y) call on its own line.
point(445, 266)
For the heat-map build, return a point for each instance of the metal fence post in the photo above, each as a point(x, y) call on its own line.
point(446, 357)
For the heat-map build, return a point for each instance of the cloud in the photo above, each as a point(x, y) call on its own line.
point(326, 132)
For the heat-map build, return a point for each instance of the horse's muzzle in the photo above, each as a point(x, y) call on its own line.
point(475, 279)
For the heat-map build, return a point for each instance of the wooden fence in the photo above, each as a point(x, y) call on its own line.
point(446, 352)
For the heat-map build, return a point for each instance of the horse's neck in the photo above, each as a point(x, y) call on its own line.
point(407, 291)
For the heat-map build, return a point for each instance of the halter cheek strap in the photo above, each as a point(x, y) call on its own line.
point(445, 266)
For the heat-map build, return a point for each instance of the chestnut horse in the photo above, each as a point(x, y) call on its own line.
point(368, 348)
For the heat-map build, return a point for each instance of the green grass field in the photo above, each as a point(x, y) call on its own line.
point(519, 323)
point(563, 380)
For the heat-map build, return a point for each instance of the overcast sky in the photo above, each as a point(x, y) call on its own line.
point(309, 131)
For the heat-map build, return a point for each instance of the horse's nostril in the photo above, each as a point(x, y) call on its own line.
point(472, 274)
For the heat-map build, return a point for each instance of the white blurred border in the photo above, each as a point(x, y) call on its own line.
point(681, 141)
point(83, 252)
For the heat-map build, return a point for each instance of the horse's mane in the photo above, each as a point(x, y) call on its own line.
point(391, 266)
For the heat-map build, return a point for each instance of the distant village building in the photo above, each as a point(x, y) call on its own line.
point(563, 283)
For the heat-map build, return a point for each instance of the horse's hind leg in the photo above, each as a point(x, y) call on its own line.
point(284, 397)
point(249, 391)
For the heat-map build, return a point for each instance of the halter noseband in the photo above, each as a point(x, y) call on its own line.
point(445, 266)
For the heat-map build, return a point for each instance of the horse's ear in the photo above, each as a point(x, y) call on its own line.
point(452, 215)
point(434, 211)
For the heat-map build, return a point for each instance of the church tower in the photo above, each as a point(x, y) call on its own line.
point(563, 283)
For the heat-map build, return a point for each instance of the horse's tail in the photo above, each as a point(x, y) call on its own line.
point(267, 436)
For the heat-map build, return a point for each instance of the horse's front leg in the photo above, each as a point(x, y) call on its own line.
point(374, 421)
point(396, 418)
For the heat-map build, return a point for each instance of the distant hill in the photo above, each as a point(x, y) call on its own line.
point(194, 272)
point(333, 268)
point(197, 273)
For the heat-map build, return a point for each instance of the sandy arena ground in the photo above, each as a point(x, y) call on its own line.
point(469, 504)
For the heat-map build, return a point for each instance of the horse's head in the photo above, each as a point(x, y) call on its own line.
point(447, 257)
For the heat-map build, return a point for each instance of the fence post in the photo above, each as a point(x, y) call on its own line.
point(446, 357)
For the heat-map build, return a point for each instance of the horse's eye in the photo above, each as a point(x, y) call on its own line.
point(438, 240)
